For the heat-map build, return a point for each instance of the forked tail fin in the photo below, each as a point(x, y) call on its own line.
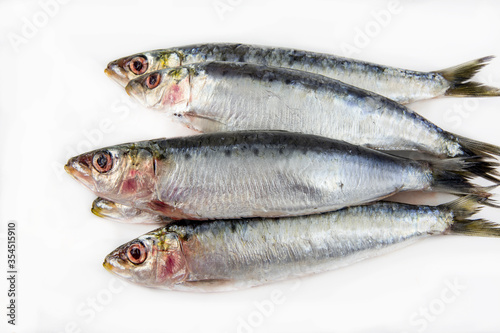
point(452, 175)
point(459, 79)
point(472, 147)
point(465, 207)
point(481, 152)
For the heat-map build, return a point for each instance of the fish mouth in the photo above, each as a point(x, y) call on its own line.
point(114, 264)
point(134, 91)
point(111, 262)
point(116, 73)
point(108, 266)
point(98, 207)
point(130, 90)
point(79, 169)
point(97, 212)
point(108, 72)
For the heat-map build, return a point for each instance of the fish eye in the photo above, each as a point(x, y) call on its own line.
point(153, 80)
point(138, 65)
point(136, 253)
point(102, 161)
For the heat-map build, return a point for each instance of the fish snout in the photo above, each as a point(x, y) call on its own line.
point(135, 90)
point(116, 72)
point(107, 265)
point(108, 71)
point(132, 89)
point(113, 263)
point(80, 168)
point(104, 208)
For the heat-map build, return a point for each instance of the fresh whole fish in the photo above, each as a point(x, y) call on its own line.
point(218, 96)
point(401, 85)
point(246, 174)
point(234, 254)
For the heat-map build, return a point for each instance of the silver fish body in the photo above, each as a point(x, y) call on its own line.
point(401, 85)
point(233, 254)
point(246, 174)
point(215, 97)
point(247, 253)
point(251, 178)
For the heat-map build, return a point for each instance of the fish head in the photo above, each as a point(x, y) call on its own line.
point(124, 173)
point(113, 210)
point(122, 213)
point(128, 68)
point(154, 259)
point(164, 89)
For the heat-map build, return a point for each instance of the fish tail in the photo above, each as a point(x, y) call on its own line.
point(481, 152)
point(472, 147)
point(465, 207)
point(459, 79)
point(452, 175)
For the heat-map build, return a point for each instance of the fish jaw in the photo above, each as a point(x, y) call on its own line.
point(105, 209)
point(115, 71)
point(122, 213)
point(107, 265)
point(115, 264)
point(135, 90)
point(79, 168)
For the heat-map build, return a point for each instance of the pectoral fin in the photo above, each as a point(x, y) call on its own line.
point(200, 123)
point(172, 212)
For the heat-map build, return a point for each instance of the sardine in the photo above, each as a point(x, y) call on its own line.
point(247, 174)
point(401, 85)
point(218, 96)
point(227, 255)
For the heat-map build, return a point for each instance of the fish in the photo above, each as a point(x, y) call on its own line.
point(121, 213)
point(401, 85)
point(218, 97)
point(252, 173)
point(225, 255)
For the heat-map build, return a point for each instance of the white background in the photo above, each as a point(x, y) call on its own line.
point(55, 98)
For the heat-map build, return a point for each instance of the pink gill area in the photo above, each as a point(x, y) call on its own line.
point(129, 185)
point(174, 95)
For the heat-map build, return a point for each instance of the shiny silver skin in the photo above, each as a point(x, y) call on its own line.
point(246, 174)
point(401, 85)
point(227, 255)
point(121, 213)
point(218, 96)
